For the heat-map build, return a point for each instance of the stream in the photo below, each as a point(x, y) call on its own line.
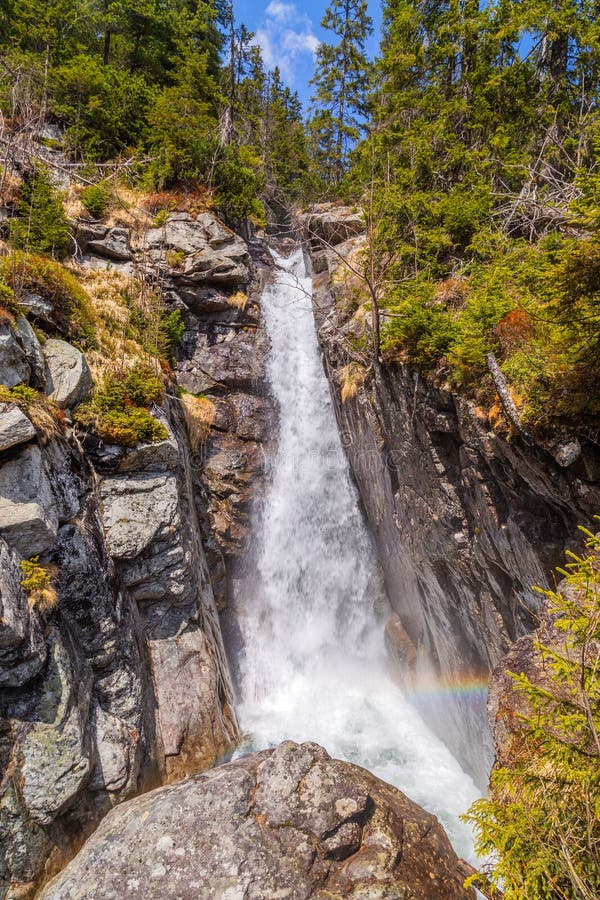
point(313, 664)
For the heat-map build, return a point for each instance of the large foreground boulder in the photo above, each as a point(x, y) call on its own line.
point(288, 823)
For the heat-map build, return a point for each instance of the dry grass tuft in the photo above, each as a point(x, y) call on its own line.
point(37, 582)
point(116, 299)
point(43, 600)
point(351, 379)
point(199, 414)
point(193, 201)
point(47, 418)
point(6, 317)
point(239, 300)
point(451, 292)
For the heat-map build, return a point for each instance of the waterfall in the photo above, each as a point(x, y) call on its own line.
point(313, 664)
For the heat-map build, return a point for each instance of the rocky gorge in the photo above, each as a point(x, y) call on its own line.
point(120, 684)
point(467, 520)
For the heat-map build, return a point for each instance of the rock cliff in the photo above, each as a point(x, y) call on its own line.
point(466, 521)
point(118, 680)
point(284, 823)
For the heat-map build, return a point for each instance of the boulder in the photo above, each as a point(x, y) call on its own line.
point(14, 367)
point(206, 251)
point(568, 453)
point(85, 232)
point(69, 379)
point(33, 351)
point(289, 823)
point(332, 224)
point(15, 427)
point(115, 245)
point(38, 307)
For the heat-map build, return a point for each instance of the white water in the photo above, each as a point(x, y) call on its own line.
point(313, 666)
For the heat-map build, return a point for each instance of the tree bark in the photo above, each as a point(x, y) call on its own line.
point(508, 404)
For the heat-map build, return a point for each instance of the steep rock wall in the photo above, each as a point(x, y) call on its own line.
point(465, 521)
point(124, 684)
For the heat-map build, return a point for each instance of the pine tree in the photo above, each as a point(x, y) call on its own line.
point(342, 86)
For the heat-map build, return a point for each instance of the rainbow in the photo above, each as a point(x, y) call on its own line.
point(468, 687)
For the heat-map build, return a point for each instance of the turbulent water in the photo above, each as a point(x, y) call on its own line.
point(313, 665)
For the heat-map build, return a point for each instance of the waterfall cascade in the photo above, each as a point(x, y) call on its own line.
point(313, 664)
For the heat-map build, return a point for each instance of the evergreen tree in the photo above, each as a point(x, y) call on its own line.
point(342, 85)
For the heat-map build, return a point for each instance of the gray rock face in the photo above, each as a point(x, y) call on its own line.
point(200, 250)
point(114, 244)
point(128, 683)
point(56, 751)
point(36, 493)
point(33, 352)
point(85, 232)
point(22, 647)
point(69, 379)
point(289, 823)
point(135, 510)
point(15, 427)
point(332, 224)
point(38, 307)
point(14, 367)
point(465, 521)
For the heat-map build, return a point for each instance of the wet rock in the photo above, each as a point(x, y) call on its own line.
point(231, 361)
point(285, 823)
point(15, 427)
point(14, 367)
point(69, 379)
point(398, 642)
point(115, 245)
point(465, 520)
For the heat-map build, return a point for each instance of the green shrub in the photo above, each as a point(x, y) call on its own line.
point(172, 328)
point(541, 823)
point(41, 224)
point(118, 410)
point(35, 576)
point(156, 330)
point(73, 313)
point(8, 301)
point(96, 199)
point(37, 582)
point(422, 330)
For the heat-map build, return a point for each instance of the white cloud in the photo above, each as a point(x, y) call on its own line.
point(285, 35)
point(282, 12)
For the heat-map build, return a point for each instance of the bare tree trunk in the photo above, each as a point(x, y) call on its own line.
point(508, 404)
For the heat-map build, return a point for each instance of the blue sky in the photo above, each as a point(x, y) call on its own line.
point(289, 32)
